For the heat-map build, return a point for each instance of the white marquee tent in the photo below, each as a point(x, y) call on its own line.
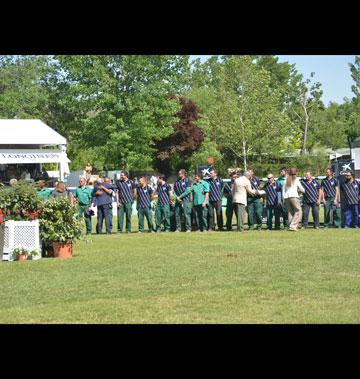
point(32, 141)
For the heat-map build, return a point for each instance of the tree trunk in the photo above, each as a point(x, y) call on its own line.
point(305, 135)
point(244, 155)
point(306, 128)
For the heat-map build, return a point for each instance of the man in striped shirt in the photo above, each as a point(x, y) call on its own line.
point(254, 203)
point(331, 197)
point(215, 200)
point(312, 198)
point(164, 193)
point(144, 194)
point(184, 206)
point(272, 190)
point(351, 192)
point(124, 198)
point(230, 210)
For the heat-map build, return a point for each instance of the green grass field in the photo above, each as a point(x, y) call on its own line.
point(311, 276)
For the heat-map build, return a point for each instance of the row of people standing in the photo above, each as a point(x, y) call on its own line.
point(202, 200)
point(283, 199)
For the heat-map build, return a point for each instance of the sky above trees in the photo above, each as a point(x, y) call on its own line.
point(332, 71)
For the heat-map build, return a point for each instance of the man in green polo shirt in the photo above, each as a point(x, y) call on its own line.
point(43, 192)
point(200, 189)
point(83, 195)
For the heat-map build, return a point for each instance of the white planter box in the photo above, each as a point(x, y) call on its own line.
point(19, 234)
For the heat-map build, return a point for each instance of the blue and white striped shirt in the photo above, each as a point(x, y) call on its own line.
point(180, 187)
point(272, 191)
point(228, 189)
point(312, 189)
point(329, 187)
point(350, 192)
point(144, 197)
point(255, 183)
point(163, 192)
point(125, 189)
point(216, 189)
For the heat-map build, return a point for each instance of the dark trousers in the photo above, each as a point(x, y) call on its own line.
point(254, 209)
point(147, 213)
point(162, 212)
point(103, 212)
point(336, 219)
point(215, 207)
point(183, 208)
point(351, 211)
point(283, 212)
point(201, 217)
point(124, 209)
point(82, 212)
point(315, 213)
point(272, 210)
point(230, 210)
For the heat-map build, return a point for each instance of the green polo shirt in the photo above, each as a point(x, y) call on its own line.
point(281, 180)
point(199, 190)
point(44, 193)
point(83, 195)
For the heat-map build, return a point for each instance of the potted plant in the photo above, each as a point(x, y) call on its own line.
point(22, 253)
point(60, 225)
point(20, 208)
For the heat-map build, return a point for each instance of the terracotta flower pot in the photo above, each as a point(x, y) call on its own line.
point(21, 257)
point(62, 249)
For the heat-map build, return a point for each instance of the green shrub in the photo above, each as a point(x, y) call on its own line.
point(59, 221)
point(19, 203)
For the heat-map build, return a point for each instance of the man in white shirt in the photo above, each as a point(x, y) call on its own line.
point(241, 188)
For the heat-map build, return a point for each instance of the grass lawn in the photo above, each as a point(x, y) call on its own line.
point(312, 276)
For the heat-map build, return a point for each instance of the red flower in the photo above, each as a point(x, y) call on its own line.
point(18, 211)
point(8, 212)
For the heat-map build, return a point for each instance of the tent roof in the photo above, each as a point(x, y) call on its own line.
point(28, 132)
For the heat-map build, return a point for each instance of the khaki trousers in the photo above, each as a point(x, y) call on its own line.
point(294, 211)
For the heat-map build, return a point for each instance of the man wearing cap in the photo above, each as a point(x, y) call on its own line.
point(351, 193)
point(83, 196)
point(283, 212)
point(184, 206)
point(215, 200)
point(254, 203)
point(331, 197)
point(124, 198)
point(164, 193)
point(144, 194)
point(229, 203)
point(200, 190)
point(42, 191)
point(272, 190)
point(312, 198)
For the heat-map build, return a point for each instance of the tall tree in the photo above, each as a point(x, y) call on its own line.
point(185, 139)
point(22, 94)
point(118, 106)
point(242, 110)
point(353, 127)
point(305, 98)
